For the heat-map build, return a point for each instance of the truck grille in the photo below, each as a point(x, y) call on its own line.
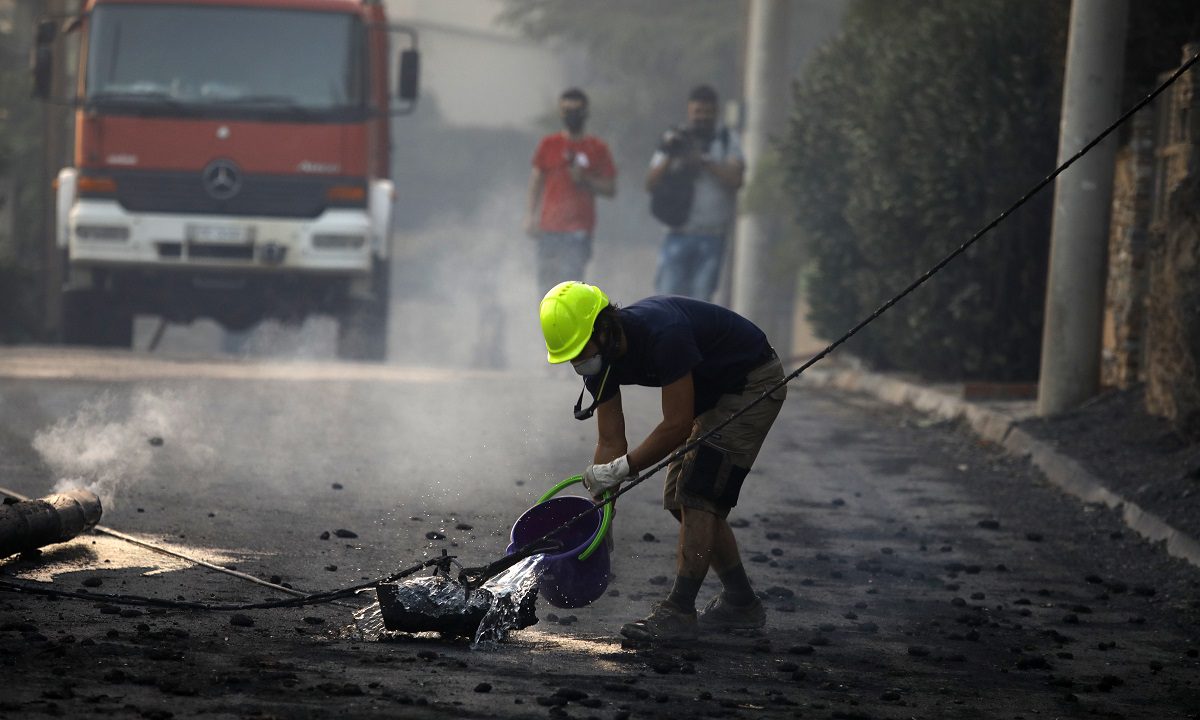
point(170, 250)
point(259, 195)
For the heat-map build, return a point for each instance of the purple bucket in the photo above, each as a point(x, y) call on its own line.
point(579, 574)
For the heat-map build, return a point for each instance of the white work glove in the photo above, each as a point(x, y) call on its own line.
point(599, 479)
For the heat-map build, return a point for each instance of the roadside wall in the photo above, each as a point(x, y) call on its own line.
point(1153, 307)
point(1133, 195)
point(1152, 310)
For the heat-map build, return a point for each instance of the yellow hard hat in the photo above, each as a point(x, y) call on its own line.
point(568, 312)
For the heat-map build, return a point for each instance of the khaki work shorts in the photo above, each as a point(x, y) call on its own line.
point(710, 476)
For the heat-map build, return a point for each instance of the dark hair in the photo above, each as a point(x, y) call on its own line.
point(704, 94)
point(608, 322)
point(574, 93)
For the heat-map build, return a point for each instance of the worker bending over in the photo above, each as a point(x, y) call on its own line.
point(710, 362)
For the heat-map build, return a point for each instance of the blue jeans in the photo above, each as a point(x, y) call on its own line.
point(689, 265)
point(562, 256)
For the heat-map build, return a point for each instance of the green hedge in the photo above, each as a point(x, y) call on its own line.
point(920, 123)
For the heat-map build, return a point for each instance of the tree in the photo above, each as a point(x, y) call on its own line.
point(920, 123)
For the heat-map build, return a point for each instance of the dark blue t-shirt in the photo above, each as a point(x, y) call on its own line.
point(668, 336)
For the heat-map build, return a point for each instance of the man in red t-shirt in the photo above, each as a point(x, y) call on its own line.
point(569, 169)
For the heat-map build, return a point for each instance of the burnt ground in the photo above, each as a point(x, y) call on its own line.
point(910, 571)
point(1137, 455)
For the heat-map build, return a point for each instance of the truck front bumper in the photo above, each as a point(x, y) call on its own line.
point(101, 232)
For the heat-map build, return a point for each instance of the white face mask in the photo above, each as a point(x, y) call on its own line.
point(591, 366)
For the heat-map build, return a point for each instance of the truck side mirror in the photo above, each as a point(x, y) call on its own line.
point(409, 71)
point(42, 59)
point(409, 76)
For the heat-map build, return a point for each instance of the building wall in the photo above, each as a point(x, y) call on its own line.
point(479, 72)
point(1172, 326)
point(1133, 195)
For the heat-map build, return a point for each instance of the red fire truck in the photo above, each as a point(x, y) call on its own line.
point(232, 161)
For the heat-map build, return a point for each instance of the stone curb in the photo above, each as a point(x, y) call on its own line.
point(1000, 428)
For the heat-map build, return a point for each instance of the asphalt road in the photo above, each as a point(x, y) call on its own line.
point(910, 571)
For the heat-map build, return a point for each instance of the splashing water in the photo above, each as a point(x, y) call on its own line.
point(506, 601)
point(508, 590)
point(368, 624)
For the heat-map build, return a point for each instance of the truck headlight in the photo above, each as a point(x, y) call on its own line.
point(102, 233)
point(338, 242)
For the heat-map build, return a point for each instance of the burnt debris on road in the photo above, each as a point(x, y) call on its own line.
point(920, 592)
point(31, 524)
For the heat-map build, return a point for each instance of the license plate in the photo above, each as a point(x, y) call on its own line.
point(219, 233)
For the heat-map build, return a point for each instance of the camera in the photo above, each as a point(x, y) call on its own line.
point(676, 142)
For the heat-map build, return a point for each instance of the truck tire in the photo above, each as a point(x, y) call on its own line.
point(363, 323)
point(97, 319)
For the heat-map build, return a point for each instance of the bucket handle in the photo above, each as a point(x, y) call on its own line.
point(605, 521)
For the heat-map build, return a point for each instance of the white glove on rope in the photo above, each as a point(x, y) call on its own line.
point(599, 479)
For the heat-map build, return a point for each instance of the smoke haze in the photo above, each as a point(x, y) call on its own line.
point(106, 444)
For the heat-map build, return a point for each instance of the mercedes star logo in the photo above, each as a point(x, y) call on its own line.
point(222, 179)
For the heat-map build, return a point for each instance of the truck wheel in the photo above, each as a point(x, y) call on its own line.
point(363, 324)
point(96, 319)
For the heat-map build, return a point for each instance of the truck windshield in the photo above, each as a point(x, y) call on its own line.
point(223, 60)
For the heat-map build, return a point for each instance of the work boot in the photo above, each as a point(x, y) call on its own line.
point(665, 622)
point(720, 614)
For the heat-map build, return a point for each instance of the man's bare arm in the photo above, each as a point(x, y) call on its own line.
point(606, 186)
point(533, 201)
point(610, 426)
point(730, 173)
point(655, 175)
point(678, 404)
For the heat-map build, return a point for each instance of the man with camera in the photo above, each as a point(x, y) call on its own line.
point(569, 169)
point(693, 182)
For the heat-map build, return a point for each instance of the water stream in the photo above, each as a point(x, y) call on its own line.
point(504, 597)
point(509, 590)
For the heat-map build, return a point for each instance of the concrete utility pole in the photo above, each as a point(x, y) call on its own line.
point(1070, 368)
point(760, 291)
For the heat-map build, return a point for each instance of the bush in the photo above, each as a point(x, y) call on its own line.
point(920, 123)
